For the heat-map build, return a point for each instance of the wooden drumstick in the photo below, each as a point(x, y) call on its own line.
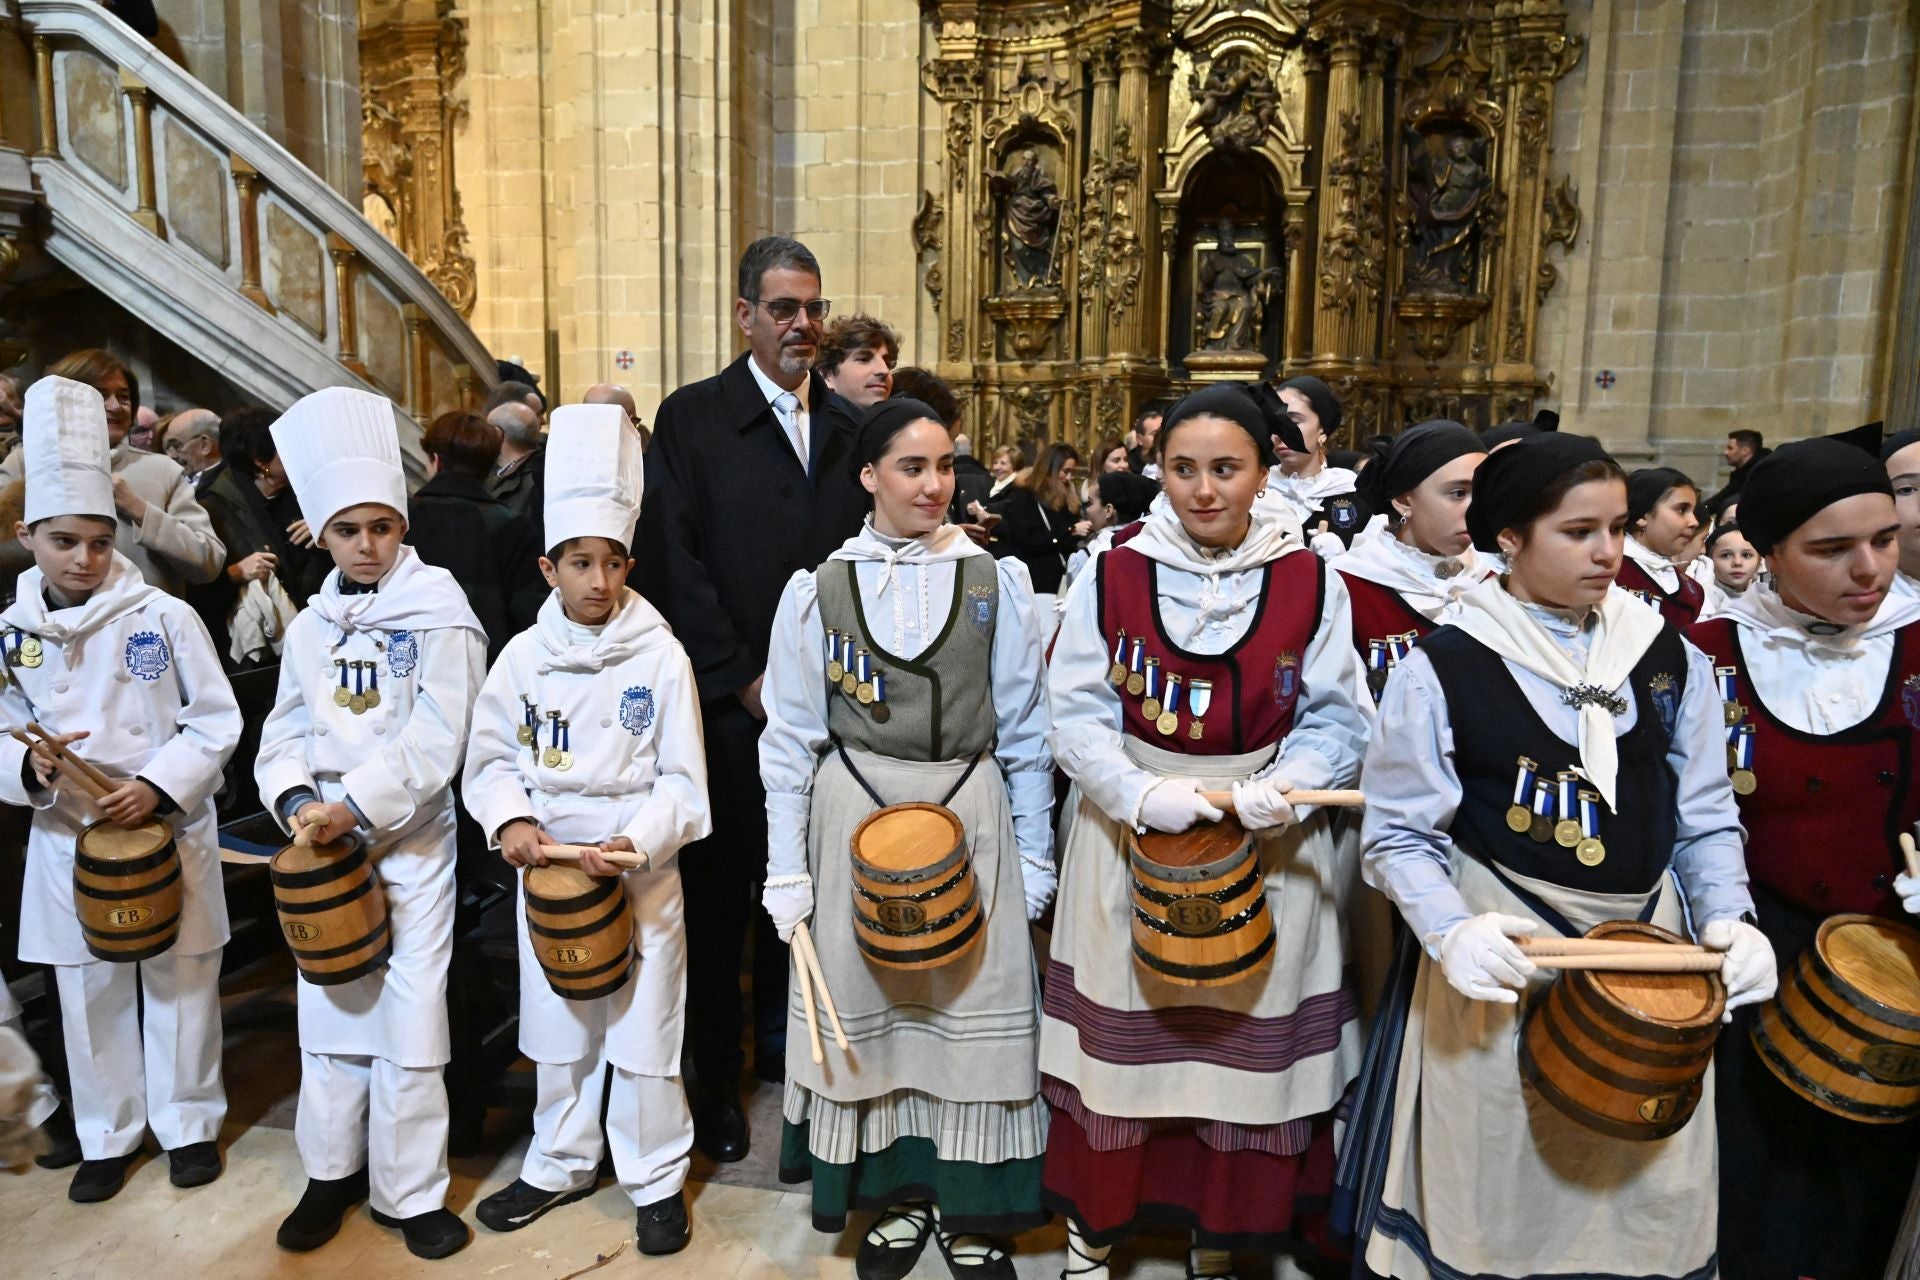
point(1636, 962)
point(1325, 799)
point(1603, 946)
point(803, 938)
point(801, 972)
point(1913, 855)
point(79, 778)
point(96, 777)
point(570, 854)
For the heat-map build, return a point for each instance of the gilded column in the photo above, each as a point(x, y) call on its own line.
point(1353, 175)
point(1133, 230)
point(1094, 319)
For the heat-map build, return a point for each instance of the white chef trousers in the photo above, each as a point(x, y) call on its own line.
point(177, 1041)
point(357, 1111)
point(648, 1127)
point(44, 1101)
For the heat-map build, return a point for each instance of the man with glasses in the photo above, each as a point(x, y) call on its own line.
point(749, 481)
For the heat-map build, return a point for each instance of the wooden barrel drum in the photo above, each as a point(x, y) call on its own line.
point(332, 910)
point(1624, 1054)
point(582, 930)
point(1844, 1030)
point(914, 899)
point(127, 890)
point(1200, 916)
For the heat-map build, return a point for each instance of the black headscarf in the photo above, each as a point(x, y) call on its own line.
point(1223, 400)
point(1508, 482)
point(1896, 442)
point(1798, 481)
point(1720, 531)
point(1401, 465)
point(883, 422)
point(1279, 420)
point(1648, 485)
point(1494, 437)
point(1326, 405)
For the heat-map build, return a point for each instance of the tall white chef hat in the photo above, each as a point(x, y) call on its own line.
point(595, 472)
point(64, 434)
point(341, 449)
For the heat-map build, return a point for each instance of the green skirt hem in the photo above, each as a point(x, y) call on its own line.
point(982, 1198)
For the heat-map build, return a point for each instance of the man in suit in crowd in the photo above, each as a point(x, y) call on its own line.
point(749, 480)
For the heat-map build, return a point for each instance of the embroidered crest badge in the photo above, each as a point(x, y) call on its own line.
point(147, 655)
point(636, 709)
point(1286, 678)
point(1666, 699)
point(1910, 700)
point(403, 653)
point(980, 605)
point(1343, 514)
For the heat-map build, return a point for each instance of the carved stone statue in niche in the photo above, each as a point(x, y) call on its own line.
point(1231, 292)
point(1448, 185)
point(1030, 220)
point(1238, 103)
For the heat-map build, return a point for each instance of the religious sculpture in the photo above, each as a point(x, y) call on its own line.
point(1448, 186)
point(1030, 220)
point(1231, 292)
point(1238, 104)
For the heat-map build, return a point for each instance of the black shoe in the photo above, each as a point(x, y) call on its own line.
point(316, 1219)
point(997, 1265)
point(434, 1234)
point(194, 1165)
point(97, 1180)
point(661, 1227)
point(720, 1130)
point(519, 1203)
point(63, 1145)
point(882, 1261)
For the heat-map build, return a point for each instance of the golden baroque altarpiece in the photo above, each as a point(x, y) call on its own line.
point(1138, 196)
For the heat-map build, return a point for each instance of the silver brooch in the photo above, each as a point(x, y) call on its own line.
point(1582, 694)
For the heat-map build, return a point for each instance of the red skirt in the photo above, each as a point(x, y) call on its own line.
point(1228, 1199)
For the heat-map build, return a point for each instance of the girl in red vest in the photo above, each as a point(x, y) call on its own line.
point(1404, 572)
point(1211, 651)
point(1820, 674)
point(1662, 517)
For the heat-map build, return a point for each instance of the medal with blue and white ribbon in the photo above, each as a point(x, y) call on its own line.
point(1743, 779)
point(881, 711)
point(834, 669)
point(1150, 708)
point(1169, 718)
point(848, 681)
point(1540, 824)
point(1519, 816)
point(1589, 849)
point(1398, 647)
point(1199, 699)
point(1729, 697)
point(1376, 667)
point(1136, 678)
point(1117, 673)
point(863, 687)
point(529, 722)
point(1566, 832)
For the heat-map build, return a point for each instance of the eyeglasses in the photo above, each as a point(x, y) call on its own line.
point(787, 310)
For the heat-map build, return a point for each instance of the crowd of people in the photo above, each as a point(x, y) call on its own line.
point(1420, 707)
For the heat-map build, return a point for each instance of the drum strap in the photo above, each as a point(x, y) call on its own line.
point(841, 748)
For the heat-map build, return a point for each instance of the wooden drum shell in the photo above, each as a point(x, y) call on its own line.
point(581, 927)
point(915, 905)
point(127, 890)
point(1199, 920)
point(333, 912)
point(1837, 1045)
point(1612, 1067)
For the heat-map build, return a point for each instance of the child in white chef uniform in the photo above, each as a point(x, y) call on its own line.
point(377, 682)
point(129, 676)
point(588, 732)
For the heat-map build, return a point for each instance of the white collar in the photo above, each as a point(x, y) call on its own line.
point(1760, 609)
point(1657, 566)
point(1327, 482)
point(1428, 583)
point(773, 390)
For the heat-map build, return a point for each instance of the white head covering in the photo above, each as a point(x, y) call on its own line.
point(595, 473)
point(64, 434)
point(341, 449)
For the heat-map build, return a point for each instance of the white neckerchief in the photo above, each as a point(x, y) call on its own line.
point(1306, 491)
point(1164, 540)
point(1490, 614)
point(1771, 622)
point(944, 545)
point(1429, 584)
point(1655, 565)
point(413, 596)
point(121, 592)
point(564, 645)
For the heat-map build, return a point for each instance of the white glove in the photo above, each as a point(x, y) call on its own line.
point(1261, 804)
point(1039, 881)
point(789, 900)
point(1482, 963)
point(1174, 804)
point(1750, 970)
point(1908, 887)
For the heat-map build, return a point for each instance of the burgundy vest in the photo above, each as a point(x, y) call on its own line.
point(1384, 626)
point(1824, 820)
point(1257, 683)
point(1680, 607)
